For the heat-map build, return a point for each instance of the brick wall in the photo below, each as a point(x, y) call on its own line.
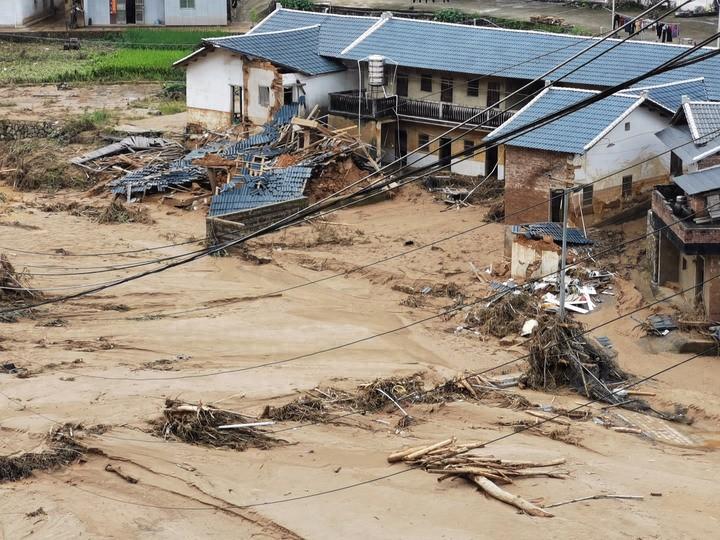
point(229, 226)
point(527, 183)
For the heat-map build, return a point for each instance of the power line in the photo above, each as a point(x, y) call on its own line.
point(668, 66)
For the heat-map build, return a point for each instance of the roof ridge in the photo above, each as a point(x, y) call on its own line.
point(239, 36)
point(375, 26)
point(616, 122)
point(664, 85)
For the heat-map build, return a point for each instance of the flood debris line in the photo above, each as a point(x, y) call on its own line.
point(451, 459)
point(208, 426)
point(62, 450)
point(504, 317)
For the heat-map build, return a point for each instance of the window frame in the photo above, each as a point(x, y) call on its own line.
point(627, 189)
point(426, 82)
point(261, 91)
point(473, 87)
point(422, 142)
point(493, 87)
point(588, 192)
point(405, 85)
point(189, 4)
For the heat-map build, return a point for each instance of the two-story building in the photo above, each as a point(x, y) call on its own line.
point(404, 82)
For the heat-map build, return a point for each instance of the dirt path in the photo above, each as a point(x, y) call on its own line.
point(97, 368)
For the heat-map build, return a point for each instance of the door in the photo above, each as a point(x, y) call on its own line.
point(446, 90)
point(556, 205)
point(402, 147)
point(236, 104)
point(699, 279)
point(445, 151)
point(491, 161)
point(130, 11)
point(402, 85)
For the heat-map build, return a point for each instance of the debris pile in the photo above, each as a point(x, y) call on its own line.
point(13, 287)
point(208, 426)
point(504, 317)
point(450, 459)
point(561, 356)
point(117, 212)
point(63, 450)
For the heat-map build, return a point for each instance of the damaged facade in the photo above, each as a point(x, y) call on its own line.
point(685, 215)
point(401, 82)
point(608, 149)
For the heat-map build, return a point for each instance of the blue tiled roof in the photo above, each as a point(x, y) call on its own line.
point(570, 133)
point(669, 96)
point(253, 191)
point(337, 31)
point(294, 49)
point(703, 117)
point(484, 50)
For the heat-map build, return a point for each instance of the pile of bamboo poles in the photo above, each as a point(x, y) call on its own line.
point(451, 459)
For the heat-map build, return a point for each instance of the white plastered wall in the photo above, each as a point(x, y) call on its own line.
point(209, 80)
point(259, 114)
point(205, 13)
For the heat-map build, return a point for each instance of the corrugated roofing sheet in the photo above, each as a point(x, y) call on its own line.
point(252, 192)
point(485, 50)
point(669, 96)
point(700, 181)
point(295, 49)
point(570, 133)
point(538, 231)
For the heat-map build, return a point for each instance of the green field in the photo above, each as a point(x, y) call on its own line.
point(138, 54)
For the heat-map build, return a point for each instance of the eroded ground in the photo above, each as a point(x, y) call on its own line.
point(197, 333)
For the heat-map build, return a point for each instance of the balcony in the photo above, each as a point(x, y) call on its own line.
point(351, 104)
point(684, 228)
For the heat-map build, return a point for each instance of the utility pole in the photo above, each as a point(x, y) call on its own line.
point(563, 259)
point(612, 16)
point(718, 41)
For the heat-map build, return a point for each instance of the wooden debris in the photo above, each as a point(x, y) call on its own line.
point(450, 459)
point(596, 497)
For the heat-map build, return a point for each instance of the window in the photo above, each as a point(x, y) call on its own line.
point(587, 195)
point(402, 84)
point(423, 139)
point(287, 95)
point(627, 187)
point(426, 82)
point(493, 94)
point(264, 96)
point(446, 90)
point(237, 100)
point(468, 147)
point(684, 263)
point(473, 87)
point(627, 126)
point(187, 4)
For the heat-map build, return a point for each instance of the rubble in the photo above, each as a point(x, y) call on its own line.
point(207, 426)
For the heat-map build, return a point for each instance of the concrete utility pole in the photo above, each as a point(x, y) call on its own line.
point(563, 256)
point(612, 16)
point(718, 41)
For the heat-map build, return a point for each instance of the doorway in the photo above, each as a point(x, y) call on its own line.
point(236, 104)
point(699, 279)
point(491, 160)
point(446, 90)
point(556, 205)
point(402, 147)
point(445, 152)
point(287, 95)
point(130, 15)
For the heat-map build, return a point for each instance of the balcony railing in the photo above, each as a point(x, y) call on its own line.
point(351, 104)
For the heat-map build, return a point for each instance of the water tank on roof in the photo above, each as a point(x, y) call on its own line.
point(376, 70)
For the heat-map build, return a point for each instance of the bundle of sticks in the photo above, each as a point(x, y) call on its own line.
point(450, 459)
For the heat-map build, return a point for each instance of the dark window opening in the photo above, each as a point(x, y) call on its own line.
point(426, 82)
point(587, 195)
point(627, 187)
point(627, 126)
point(423, 139)
point(288, 95)
point(684, 264)
point(676, 165)
point(493, 94)
point(473, 87)
point(468, 147)
point(264, 96)
point(446, 90)
point(236, 105)
point(402, 85)
point(445, 155)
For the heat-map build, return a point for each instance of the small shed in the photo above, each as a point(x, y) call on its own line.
point(536, 248)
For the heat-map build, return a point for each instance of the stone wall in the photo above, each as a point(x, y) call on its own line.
point(21, 129)
point(230, 226)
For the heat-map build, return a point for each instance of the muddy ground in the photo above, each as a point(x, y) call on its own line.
point(197, 333)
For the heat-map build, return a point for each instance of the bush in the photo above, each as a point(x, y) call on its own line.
point(302, 5)
point(451, 16)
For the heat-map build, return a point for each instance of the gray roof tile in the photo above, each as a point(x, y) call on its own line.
point(704, 120)
point(700, 181)
point(669, 96)
point(570, 133)
point(294, 49)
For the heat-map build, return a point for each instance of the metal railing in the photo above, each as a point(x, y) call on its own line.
point(352, 103)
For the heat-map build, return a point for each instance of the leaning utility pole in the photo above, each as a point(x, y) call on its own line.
point(563, 256)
